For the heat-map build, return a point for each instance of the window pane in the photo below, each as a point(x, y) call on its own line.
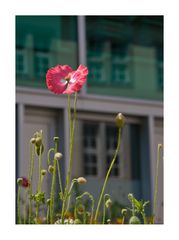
point(90, 132)
point(45, 41)
point(121, 55)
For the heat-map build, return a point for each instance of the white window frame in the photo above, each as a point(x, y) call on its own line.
point(102, 120)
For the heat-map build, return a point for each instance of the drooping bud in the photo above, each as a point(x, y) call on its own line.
point(81, 180)
point(50, 169)
point(32, 140)
point(58, 156)
point(39, 149)
point(130, 196)
point(19, 181)
point(124, 212)
point(56, 139)
point(134, 220)
point(108, 203)
point(120, 120)
point(108, 221)
point(43, 172)
point(38, 141)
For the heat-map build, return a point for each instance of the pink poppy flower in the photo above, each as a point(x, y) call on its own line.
point(62, 79)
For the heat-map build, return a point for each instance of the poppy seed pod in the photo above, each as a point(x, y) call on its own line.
point(120, 120)
point(58, 156)
point(81, 180)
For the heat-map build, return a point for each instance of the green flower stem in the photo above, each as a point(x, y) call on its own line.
point(30, 180)
point(69, 194)
point(48, 155)
point(18, 204)
point(107, 175)
point(59, 178)
point(53, 187)
point(39, 182)
point(48, 213)
point(72, 129)
point(25, 204)
point(104, 212)
point(144, 218)
point(156, 181)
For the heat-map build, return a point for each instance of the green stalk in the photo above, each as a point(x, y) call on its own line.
point(59, 178)
point(104, 212)
point(30, 180)
point(18, 204)
point(69, 195)
point(53, 187)
point(144, 218)
point(156, 181)
point(25, 204)
point(107, 175)
point(39, 181)
point(72, 129)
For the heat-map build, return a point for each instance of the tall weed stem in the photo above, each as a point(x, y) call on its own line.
point(107, 175)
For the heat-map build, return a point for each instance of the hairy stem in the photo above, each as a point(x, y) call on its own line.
point(18, 204)
point(72, 130)
point(52, 194)
point(30, 180)
point(107, 175)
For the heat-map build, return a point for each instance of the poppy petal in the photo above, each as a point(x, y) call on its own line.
point(78, 80)
point(55, 76)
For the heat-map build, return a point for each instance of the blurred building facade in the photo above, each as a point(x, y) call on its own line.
point(124, 55)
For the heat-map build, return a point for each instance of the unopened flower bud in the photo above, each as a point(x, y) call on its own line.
point(58, 156)
point(38, 141)
point(50, 169)
point(48, 201)
point(124, 212)
point(19, 181)
point(32, 140)
point(56, 139)
point(130, 196)
point(108, 221)
point(120, 120)
point(134, 220)
point(39, 149)
point(81, 180)
point(108, 203)
point(43, 172)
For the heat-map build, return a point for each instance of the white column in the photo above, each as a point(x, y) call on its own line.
point(82, 45)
